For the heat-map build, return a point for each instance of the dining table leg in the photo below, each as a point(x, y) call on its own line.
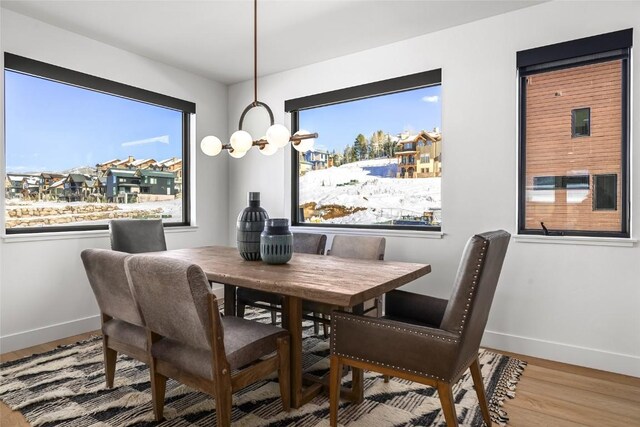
point(229, 300)
point(293, 323)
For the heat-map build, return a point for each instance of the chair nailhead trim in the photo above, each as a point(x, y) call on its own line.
point(411, 331)
point(474, 282)
point(398, 368)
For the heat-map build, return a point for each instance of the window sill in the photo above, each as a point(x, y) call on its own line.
point(70, 235)
point(416, 234)
point(576, 240)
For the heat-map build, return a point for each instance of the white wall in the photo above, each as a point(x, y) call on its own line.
point(572, 303)
point(44, 294)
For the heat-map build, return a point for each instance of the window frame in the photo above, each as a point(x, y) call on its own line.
point(590, 50)
point(340, 96)
point(57, 74)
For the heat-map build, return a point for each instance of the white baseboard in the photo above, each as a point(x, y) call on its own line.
point(58, 331)
point(626, 364)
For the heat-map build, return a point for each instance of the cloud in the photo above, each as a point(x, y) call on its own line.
point(432, 99)
point(164, 139)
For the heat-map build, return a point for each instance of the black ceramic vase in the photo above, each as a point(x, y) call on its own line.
point(249, 227)
point(276, 241)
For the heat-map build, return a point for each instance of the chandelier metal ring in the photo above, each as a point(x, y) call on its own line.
point(255, 104)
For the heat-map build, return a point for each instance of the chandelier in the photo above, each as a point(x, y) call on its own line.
point(277, 135)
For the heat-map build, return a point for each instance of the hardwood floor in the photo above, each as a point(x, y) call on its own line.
point(548, 394)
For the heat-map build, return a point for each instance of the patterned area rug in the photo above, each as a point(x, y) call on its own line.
point(65, 387)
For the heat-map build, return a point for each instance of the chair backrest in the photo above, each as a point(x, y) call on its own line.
point(108, 280)
point(137, 235)
point(475, 284)
point(309, 243)
point(173, 296)
point(358, 247)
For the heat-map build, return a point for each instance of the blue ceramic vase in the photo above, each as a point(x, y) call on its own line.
point(248, 228)
point(276, 241)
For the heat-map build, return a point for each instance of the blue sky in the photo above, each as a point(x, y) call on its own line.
point(51, 126)
point(339, 124)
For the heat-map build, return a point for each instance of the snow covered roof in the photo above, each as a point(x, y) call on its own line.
point(141, 162)
point(121, 172)
point(169, 162)
point(108, 162)
point(47, 175)
point(424, 136)
point(57, 184)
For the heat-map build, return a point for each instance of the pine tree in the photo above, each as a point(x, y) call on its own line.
point(360, 147)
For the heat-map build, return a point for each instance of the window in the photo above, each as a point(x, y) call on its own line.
point(377, 161)
point(575, 183)
point(559, 182)
point(605, 192)
point(580, 122)
point(78, 146)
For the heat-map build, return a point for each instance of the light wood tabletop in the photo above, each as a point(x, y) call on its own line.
point(331, 280)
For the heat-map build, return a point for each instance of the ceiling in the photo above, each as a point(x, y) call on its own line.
point(214, 38)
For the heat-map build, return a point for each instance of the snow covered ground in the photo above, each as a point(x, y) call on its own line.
point(171, 209)
point(385, 199)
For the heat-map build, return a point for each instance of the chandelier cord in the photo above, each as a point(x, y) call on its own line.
point(255, 52)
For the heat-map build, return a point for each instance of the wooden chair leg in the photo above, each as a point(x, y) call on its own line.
point(476, 374)
point(325, 328)
point(335, 375)
point(357, 384)
point(223, 400)
point(284, 374)
point(448, 405)
point(273, 314)
point(110, 356)
point(158, 387)
point(316, 325)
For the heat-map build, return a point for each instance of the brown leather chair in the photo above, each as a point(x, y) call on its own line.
point(423, 339)
point(305, 243)
point(191, 343)
point(123, 329)
point(137, 235)
point(347, 246)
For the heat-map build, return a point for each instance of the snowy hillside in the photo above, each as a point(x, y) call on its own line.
point(382, 198)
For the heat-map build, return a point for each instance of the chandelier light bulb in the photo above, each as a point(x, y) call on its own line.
point(268, 149)
point(278, 135)
point(211, 145)
point(304, 145)
point(237, 154)
point(241, 141)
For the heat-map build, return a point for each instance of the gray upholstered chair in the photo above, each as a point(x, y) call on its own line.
point(137, 235)
point(305, 243)
point(423, 339)
point(191, 343)
point(123, 329)
point(346, 246)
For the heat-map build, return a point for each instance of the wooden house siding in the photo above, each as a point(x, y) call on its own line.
point(552, 151)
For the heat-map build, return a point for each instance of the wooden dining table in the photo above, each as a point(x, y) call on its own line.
point(341, 282)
